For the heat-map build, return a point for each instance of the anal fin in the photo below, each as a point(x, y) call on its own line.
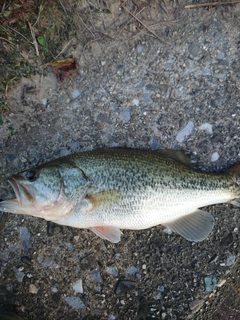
point(193, 227)
point(109, 233)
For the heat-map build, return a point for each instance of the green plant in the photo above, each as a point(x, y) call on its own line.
point(43, 42)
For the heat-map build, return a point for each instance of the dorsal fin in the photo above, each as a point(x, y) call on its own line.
point(176, 155)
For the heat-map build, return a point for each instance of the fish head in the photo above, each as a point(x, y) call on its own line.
point(39, 192)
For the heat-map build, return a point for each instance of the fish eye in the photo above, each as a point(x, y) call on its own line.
point(32, 175)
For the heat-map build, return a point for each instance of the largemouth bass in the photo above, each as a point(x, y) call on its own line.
point(109, 190)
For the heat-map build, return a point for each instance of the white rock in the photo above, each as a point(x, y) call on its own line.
point(186, 131)
point(167, 231)
point(33, 289)
point(75, 302)
point(206, 127)
point(136, 102)
point(75, 94)
point(215, 156)
point(44, 101)
point(77, 286)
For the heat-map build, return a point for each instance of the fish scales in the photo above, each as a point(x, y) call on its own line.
point(108, 190)
point(148, 185)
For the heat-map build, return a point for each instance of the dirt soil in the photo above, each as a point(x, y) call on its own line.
point(150, 75)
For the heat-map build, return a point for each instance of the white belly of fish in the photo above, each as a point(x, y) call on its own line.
point(153, 210)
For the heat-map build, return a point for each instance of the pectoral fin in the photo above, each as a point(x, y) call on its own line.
point(104, 198)
point(109, 233)
point(193, 227)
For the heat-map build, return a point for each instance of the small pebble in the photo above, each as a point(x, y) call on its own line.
point(180, 89)
point(164, 315)
point(167, 231)
point(96, 276)
point(20, 276)
point(75, 302)
point(33, 289)
point(139, 49)
point(146, 97)
point(115, 144)
point(75, 145)
point(206, 127)
point(48, 262)
point(136, 102)
point(221, 283)
point(125, 115)
point(25, 238)
point(195, 50)
point(123, 285)
point(186, 131)
point(210, 283)
point(149, 87)
point(230, 260)
point(11, 157)
point(206, 72)
point(161, 288)
point(222, 77)
point(132, 270)
point(77, 286)
point(167, 66)
point(64, 152)
point(113, 271)
point(195, 305)
point(76, 105)
point(221, 55)
point(140, 85)
point(44, 101)
point(70, 247)
point(75, 94)
point(111, 317)
point(215, 156)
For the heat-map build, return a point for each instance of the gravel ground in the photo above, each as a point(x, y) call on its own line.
point(141, 93)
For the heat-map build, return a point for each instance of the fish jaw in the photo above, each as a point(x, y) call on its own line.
point(25, 203)
point(23, 196)
point(21, 203)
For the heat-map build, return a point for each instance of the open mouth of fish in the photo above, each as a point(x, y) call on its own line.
point(23, 196)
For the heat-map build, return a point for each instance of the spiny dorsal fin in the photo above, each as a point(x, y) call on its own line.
point(176, 155)
point(235, 170)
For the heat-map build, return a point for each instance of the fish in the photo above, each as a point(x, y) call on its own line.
point(114, 189)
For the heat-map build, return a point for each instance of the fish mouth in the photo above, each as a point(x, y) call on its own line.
point(23, 196)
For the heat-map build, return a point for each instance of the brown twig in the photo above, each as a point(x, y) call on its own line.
point(19, 34)
point(80, 18)
point(145, 26)
point(63, 49)
point(209, 4)
point(34, 38)
point(4, 39)
point(129, 21)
